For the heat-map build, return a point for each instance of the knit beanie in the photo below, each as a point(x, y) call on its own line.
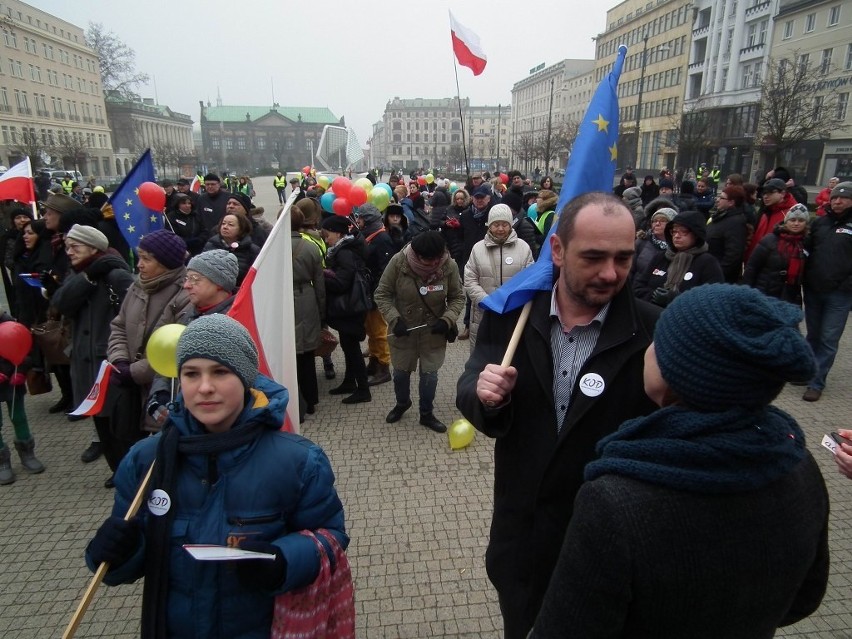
point(666, 183)
point(499, 213)
point(218, 266)
point(222, 339)
point(844, 189)
point(721, 346)
point(243, 199)
point(90, 236)
point(166, 247)
point(336, 224)
point(798, 212)
point(665, 212)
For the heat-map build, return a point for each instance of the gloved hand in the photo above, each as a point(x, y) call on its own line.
point(663, 296)
point(18, 379)
point(158, 399)
point(3, 378)
point(400, 329)
point(120, 375)
point(262, 574)
point(328, 273)
point(48, 282)
point(440, 328)
point(98, 269)
point(116, 540)
point(452, 223)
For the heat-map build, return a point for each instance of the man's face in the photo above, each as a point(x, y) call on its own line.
point(481, 201)
point(771, 198)
point(723, 202)
point(517, 181)
point(212, 186)
point(183, 188)
point(234, 207)
point(666, 190)
point(701, 188)
point(595, 264)
point(169, 189)
point(476, 180)
point(840, 204)
point(21, 221)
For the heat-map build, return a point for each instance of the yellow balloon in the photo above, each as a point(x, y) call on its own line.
point(365, 184)
point(161, 350)
point(461, 433)
point(324, 182)
point(430, 178)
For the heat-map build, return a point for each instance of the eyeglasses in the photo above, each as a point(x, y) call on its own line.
point(722, 197)
point(192, 280)
point(73, 248)
point(680, 232)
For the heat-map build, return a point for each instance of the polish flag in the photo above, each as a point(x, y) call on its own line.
point(94, 401)
point(264, 305)
point(466, 47)
point(195, 186)
point(17, 183)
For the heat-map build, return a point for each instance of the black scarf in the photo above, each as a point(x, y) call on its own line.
point(172, 447)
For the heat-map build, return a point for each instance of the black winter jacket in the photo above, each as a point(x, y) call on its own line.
point(340, 268)
point(767, 270)
point(829, 265)
point(726, 241)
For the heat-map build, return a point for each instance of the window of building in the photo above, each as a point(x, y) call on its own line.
point(810, 22)
point(804, 62)
point(229, 143)
point(16, 68)
point(747, 76)
point(241, 143)
point(758, 68)
point(215, 142)
point(10, 39)
point(48, 51)
point(842, 105)
point(788, 29)
point(30, 45)
point(818, 104)
point(825, 62)
point(834, 16)
point(261, 143)
point(35, 73)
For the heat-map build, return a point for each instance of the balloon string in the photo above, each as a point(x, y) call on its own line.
point(13, 388)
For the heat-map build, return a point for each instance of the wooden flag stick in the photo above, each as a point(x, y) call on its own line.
point(516, 335)
point(98, 577)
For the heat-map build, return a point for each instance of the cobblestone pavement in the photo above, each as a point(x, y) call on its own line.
point(418, 514)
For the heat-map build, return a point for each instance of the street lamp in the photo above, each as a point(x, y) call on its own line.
point(639, 101)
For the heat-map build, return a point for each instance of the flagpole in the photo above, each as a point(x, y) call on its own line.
point(461, 117)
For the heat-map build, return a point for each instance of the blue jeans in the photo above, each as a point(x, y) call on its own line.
point(428, 385)
point(825, 316)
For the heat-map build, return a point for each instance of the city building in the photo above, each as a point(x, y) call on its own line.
point(729, 55)
point(247, 139)
point(547, 106)
point(428, 133)
point(818, 34)
point(653, 78)
point(140, 123)
point(51, 100)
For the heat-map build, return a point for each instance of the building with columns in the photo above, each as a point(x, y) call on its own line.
point(51, 100)
point(651, 87)
point(140, 123)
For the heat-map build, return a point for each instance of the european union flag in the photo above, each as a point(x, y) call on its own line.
point(591, 167)
point(133, 218)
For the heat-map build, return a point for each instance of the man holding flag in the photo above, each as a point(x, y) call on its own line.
point(575, 377)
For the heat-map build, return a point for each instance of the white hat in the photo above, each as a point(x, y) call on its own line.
point(499, 213)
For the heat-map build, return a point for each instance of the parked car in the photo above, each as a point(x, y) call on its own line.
point(57, 175)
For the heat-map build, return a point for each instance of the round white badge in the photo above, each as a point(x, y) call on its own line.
point(510, 259)
point(423, 290)
point(592, 384)
point(687, 277)
point(159, 502)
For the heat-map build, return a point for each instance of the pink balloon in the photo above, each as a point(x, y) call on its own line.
point(342, 206)
point(357, 195)
point(152, 196)
point(15, 342)
point(341, 186)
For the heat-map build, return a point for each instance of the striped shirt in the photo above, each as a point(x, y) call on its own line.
point(571, 348)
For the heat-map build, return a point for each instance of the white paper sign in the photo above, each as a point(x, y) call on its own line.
point(208, 552)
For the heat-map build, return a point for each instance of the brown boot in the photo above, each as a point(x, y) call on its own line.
point(381, 375)
point(465, 334)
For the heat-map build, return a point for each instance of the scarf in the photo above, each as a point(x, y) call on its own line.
point(173, 446)
point(734, 451)
point(791, 249)
point(426, 273)
point(82, 265)
point(660, 244)
point(679, 263)
point(154, 284)
point(346, 239)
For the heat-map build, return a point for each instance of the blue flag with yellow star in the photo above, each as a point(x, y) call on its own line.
point(591, 166)
point(133, 218)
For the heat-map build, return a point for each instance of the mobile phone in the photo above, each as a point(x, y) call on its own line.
point(840, 439)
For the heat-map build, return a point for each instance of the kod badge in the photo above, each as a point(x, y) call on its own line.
point(688, 276)
point(510, 259)
point(592, 385)
point(423, 290)
point(159, 502)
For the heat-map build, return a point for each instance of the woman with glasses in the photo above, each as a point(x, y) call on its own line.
point(90, 296)
point(685, 264)
point(726, 232)
point(651, 242)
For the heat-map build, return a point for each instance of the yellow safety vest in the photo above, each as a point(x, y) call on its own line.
point(714, 175)
point(67, 186)
point(318, 243)
point(280, 182)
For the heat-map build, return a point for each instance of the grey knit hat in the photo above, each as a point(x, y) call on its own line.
point(219, 266)
point(798, 212)
point(721, 346)
point(90, 236)
point(224, 340)
point(665, 212)
point(844, 189)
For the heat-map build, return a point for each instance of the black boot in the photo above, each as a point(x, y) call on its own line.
point(64, 404)
point(432, 423)
point(344, 389)
point(94, 451)
point(397, 412)
point(359, 396)
point(7, 476)
point(26, 451)
point(380, 376)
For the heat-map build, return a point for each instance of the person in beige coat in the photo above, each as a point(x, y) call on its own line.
point(155, 299)
point(493, 261)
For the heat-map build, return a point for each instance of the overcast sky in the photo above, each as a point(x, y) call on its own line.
point(349, 55)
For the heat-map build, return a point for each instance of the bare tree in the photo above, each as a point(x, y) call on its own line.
point(455, 157)
point(563, 139)
point(29, 144)
point(73, 148)
point(692, 132)
point(795, 106)
point(117, 60)
point(166, 155)
point(526, 149)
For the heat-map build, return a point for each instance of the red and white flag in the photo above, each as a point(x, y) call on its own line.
point(466, 46)
point(195, 186)
point(17, 183)
point(264, 305)
point(94, 401)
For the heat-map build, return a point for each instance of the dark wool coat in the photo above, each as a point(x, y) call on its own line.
point(726, 241)
point(705, 269)
point(308, 293)
point(650, 562)
point(830, 261)
point(341, 266)
point(246, 252)
point(538, 472)
point(767, 271)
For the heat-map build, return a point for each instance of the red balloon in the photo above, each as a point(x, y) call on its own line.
point(306, 170)
point(504, 178)
point(152, 196)
point(15, 342)
point(341, 186)
point(421, 181)
point(357, 195)
point(342, 207)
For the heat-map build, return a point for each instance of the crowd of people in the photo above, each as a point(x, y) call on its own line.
point(644, 349)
